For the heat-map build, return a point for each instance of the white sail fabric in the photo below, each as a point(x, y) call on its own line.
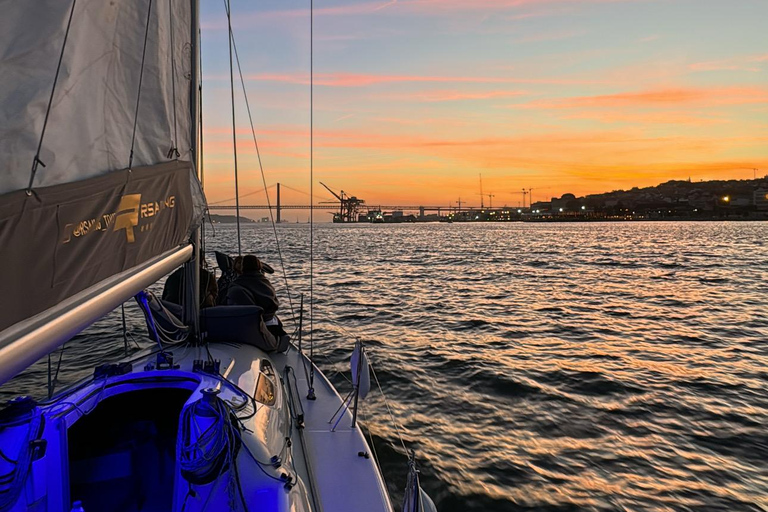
point(91, 121)
point(416, 499)
point(91, 212)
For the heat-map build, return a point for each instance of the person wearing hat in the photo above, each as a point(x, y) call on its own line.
point(253, 288)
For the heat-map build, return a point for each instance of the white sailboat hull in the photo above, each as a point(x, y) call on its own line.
point(113, 442)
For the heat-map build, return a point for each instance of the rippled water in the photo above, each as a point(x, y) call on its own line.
point(541, 366)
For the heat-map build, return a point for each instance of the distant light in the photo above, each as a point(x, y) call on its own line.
point(726, 199)
point(561, 209)
point(521, 211)
point(583, 207)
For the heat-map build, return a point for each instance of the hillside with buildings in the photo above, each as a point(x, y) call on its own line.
point(732, 198)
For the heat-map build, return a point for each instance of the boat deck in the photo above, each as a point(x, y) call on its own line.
point(343, 479)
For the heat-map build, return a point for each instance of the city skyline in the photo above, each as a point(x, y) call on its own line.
point(415, 98)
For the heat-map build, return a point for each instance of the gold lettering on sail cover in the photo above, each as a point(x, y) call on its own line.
point(127, 215)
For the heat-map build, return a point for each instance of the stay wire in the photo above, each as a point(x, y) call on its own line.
point(311, 191)
point(36, 161)
point(373, 447)
point(228, 6)
point(389, 409)
point(141, 79)
point(263, 177)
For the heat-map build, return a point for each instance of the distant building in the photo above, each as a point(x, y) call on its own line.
point(562, 204)
point(741, 202)
point(760, 198)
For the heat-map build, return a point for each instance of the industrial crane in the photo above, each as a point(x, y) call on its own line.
point(349, 206)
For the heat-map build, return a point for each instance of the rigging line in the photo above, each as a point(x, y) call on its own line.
point(373, 447)
point(201, 161)
point(125, 329)
point(263, 177)
point(58, 369)
point(36, 161)
point(311, 192)
point(386, 402)
point(141, 79)
point(173, 152)
point(200, 109)
point(228, 6)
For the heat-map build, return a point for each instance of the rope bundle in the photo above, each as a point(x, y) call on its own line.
point(209, 440)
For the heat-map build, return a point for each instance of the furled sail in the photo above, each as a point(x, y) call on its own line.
point(97, 145)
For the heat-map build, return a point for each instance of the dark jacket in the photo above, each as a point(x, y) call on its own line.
point(225, 281)
point(253, 288)
point(172, 291)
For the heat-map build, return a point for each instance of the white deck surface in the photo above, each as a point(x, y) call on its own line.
point(346, 481)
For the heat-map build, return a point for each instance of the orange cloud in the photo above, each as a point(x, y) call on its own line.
point(659, 97)
point(455, 95)
point(649, 118)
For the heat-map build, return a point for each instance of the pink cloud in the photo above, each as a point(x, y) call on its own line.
point(464, 5)
point(542, 13)
point(422, 7)
point(742, 63)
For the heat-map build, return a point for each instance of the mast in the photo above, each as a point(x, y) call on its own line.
point(192, 267)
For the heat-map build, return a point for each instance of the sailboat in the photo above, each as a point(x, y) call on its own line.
point(100, 198)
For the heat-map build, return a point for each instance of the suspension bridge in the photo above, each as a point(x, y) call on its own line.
point(348, 208)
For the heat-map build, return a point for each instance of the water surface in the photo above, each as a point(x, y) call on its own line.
point(606, 366)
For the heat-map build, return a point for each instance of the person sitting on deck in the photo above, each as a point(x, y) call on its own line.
point(173, 291)
point(253, 288)
point(228, 277)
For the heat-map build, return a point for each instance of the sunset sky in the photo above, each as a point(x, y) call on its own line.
point(415, 98)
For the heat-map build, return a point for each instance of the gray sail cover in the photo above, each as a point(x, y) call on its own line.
point(86, 216)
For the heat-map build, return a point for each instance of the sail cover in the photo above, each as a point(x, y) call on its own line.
point(116, 185)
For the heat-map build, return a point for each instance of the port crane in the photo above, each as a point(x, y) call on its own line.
point(349, 206)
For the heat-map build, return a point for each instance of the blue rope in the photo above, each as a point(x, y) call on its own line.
point(12, 483)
